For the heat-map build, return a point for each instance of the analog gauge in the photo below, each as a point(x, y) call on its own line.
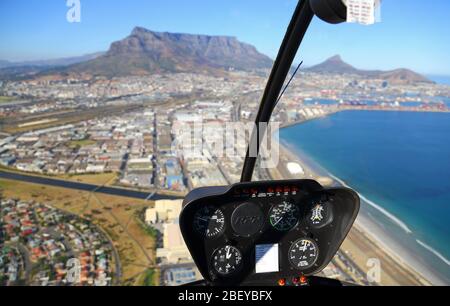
point(209, 222)
point(303, 254)
point(227, 260)
point(320, 214)
point(284, 216)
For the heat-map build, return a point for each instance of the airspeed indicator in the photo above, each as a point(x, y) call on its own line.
point(284, 216)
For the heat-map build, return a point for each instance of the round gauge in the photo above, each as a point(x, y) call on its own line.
point(320, 214)
point(284, 216)
point(209, 222)
point(303, 254)
point(227, 260)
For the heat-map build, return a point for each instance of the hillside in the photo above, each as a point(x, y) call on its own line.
point(145, 52)
point(335, 65)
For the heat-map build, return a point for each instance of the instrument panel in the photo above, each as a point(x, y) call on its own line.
point(256, 233)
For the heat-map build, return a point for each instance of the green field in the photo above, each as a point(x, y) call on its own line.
point(4, 99)
point(81, 143)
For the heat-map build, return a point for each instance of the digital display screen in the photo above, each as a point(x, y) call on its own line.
point(266, 258)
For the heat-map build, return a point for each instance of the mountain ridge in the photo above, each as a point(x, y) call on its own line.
point(336, 65)
point(63, 61)
point(145, 52)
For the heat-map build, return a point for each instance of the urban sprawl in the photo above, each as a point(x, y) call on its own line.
point(135, 129)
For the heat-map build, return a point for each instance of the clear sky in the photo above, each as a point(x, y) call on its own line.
point(413, 33)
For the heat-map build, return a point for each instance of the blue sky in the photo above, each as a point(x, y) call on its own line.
point(412, 34)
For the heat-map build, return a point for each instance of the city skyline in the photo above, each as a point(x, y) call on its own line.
point(390, 44)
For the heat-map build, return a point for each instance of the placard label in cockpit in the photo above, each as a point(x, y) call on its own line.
point(266, 258)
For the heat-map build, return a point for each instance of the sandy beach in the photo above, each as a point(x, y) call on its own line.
point(367, 239)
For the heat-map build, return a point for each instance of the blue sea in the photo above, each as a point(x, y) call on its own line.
point(437, 99)
point(440, 79)
point(399, 162)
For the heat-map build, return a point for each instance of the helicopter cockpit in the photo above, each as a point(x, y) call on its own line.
point(273, 232)
point(266, 233)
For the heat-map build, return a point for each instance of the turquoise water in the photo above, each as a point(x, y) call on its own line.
point(399, 161)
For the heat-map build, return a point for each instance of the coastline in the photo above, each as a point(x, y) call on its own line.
point(368, 239)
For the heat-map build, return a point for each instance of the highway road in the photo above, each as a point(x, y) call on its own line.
point(86, 187)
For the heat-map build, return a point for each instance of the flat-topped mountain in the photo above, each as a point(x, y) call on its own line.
point(336, 65)
point(145, 52)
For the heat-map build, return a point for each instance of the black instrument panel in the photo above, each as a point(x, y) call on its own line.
point(257, 233)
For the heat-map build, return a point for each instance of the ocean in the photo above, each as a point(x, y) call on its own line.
point(399, 162)
point(440, 79)
point(437, 99)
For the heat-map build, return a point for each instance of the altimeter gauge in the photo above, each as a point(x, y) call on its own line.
point(303, 253)
point(227, 260)
point(284, 216)
point(209, 222)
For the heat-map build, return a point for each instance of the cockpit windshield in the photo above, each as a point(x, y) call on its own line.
point(113, 114)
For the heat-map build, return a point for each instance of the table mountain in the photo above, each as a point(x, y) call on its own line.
point(146, 52)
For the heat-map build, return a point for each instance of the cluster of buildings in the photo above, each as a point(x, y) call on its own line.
point(169, 171)
point(41, 245)
point(353, 87)
point(148, 88)
point(158, 147)
point(28, 106)
point(172, 254)
point(210, 155)
point(164, 217)
point(136, 145)
point(88, 147)
point(11, 265)
point(140, 145)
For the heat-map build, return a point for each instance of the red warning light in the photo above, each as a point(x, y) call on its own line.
point(282, 282)
point(303, 280)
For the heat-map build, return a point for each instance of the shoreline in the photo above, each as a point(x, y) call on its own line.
point(397, 262)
